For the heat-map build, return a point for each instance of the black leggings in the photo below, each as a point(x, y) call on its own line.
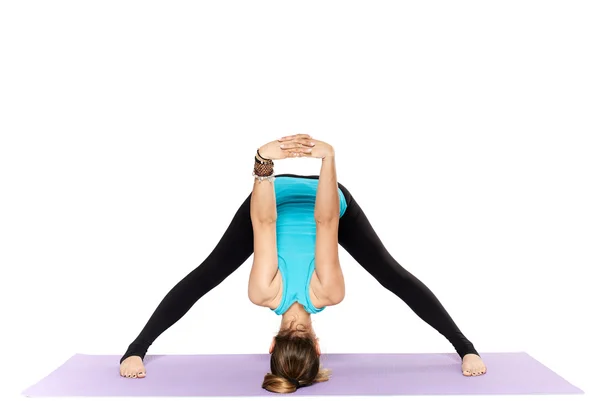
point(356, 236)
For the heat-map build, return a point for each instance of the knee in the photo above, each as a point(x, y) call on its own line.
point(395, 275)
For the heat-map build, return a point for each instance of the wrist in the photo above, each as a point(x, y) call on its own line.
point(260, 154)
point(329, 155)
point(263, 168)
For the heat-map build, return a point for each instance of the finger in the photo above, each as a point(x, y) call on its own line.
point(306, 141)
point(294, 145)
point(294, 154)
point(300, 141)
point(299, 152)
point(296, 136)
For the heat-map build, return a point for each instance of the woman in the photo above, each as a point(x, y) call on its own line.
point(293, 225)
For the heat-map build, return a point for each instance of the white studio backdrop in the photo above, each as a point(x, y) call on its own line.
point(466, 130)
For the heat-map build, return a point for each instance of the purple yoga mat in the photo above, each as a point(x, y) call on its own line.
point(352, 374)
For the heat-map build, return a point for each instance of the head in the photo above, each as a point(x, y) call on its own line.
point(295, 361)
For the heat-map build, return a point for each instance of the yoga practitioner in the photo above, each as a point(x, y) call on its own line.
point(293, 224)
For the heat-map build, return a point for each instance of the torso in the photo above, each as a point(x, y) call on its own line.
point(296, 237)
point(278, 289)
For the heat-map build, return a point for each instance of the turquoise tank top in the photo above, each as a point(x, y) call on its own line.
point(296, 237)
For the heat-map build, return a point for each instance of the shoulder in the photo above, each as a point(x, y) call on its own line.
point(275, 295)
point(316, 294)
point(321, 296)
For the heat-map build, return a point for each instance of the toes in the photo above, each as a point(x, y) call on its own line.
point(480, 370)
point(466, 372)
point(133, 375)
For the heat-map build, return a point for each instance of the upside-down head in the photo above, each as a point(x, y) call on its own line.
point(295, 361)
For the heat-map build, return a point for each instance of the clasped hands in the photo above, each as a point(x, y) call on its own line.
point(298, 145)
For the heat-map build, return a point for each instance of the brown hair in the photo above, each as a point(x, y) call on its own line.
point(294, 362)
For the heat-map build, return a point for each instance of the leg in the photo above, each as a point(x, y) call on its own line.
point(234, 248)
point(358, 237)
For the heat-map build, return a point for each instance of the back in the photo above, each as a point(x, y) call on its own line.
point(296, 237)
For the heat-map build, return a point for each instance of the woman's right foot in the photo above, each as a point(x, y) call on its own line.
point(133, 367)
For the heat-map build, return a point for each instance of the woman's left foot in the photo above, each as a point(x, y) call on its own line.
point(472, 365)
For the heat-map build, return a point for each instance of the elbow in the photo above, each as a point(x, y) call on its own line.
point(264, 219)
point(326, 219)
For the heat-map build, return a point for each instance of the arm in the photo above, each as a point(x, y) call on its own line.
point(263, 214)
point(265, 281)
point(328, 285)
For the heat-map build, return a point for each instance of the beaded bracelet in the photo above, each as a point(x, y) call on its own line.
point(262, 160)
point(263, 169)
point(261, 178)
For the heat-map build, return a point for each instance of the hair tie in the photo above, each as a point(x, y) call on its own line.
point(295, 382)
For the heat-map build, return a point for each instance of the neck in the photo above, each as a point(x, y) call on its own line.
point(296, 315)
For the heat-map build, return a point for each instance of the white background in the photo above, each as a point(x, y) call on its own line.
point(467, 131)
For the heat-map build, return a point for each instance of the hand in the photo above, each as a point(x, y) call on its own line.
point(290, 146)
point(319, 149)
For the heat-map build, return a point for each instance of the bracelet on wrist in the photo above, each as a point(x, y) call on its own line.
point(263, 169)
point(261, 178)
point(262, 159)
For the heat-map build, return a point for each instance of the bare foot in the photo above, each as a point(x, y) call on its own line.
point(473, 365)
point(133, 367)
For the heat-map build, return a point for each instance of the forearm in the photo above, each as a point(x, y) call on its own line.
point(262, 204)
point(263, 207)
point(327, 203)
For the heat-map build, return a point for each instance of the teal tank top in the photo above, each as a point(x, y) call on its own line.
point(296, 237)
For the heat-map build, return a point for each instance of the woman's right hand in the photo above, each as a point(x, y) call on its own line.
point(292, 146)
